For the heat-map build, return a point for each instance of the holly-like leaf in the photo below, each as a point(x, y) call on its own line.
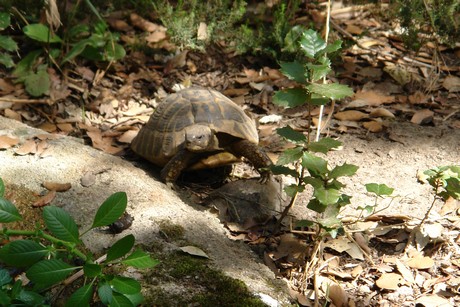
point(311, 43)
point(293, 189)
point(331, 90)
point(290, 155)
point(379, 189)
point(291, 97)
point(343, 170)
point(327, 196)
point(324, 145)
point(283, 170)
point(291, 135)
point(294, 71)
point(61, 224)
point(111, 209)
point(292, 38)
point(336, 45)
point(317, 166)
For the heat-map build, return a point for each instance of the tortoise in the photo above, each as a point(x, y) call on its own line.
point(198, 128)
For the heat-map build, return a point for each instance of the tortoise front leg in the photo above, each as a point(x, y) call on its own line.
point(255, 155)
point(176, 165)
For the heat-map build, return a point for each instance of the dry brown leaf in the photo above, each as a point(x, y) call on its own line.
point(418, 98)
point(45, 200)
point(291, 247)
point(362, 242)
point(29, 147)
point(422, 117)
point(144, 24)
point(399, 74)
point(338, 295)
point(433, 301)
point(390, 281)
point(12, 114)
point(119, 24)
point(381, 112)
point(449, 206)
point(373, 126)
point(88, 179)
point(156, 37)
point(405, 272)
point(354, 29)
point(451, 83)
point(7, 142)
point(202, 33)
point(372, 98)
point(357, 271)
point(194, 251)
point(48, 127)
point(350, 115)
point(6, 87)
point(65, 127)
point(128, 136)
point(420, 262)
point(56, 186)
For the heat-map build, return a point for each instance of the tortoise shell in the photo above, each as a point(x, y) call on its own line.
point(164, 134)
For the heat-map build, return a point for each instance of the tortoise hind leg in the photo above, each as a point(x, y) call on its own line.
point(176, 165)
point(255, 155)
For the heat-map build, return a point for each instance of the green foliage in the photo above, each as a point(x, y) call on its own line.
point(45, 256)
point(428, 17)
point(445, 181)
point(7, 44)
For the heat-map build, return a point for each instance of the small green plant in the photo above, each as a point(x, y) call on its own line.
point(47, 256)
point(7, 44)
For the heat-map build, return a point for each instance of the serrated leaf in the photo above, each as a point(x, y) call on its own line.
point(332, 90)
point(311, 43)
point(5, 277)
point(290, 155)
point(7, 43)
point(22, 253)
point(315, 165)
point(379, 189)
point(327, 196)
point(140, 259)
point(292, 38)
point(293, 189)
point(61, 224)
point(294, 71)
point(41, 33)
point(4, 20)
point(37, 84)
point(8, 212)
point(125, 285)
point(313, 181)
point(453, 187)
point(324, 145)
point(291, 97)
point(283, 170)
point(336, 45)
point(343, 170)
point(291, 135)
point(6, 60)
point(319, 71)
point(105, 293)
point(120, 248)
point(110, 210)
point(92, 270)
point(316, 206)
point(81, 297)
point(49, 272)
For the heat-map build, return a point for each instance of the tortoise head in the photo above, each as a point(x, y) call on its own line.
point(200, 138)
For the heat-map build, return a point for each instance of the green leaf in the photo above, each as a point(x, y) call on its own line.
point(24, 67)
point(315, 165)
point(31, 298)
point(316, 206)
point(318, 100)
point(283, 170)
point(81, 297)
point(41, 33)
point(291, 97)
point(120, 300)
point(120, 248)
point(8, 43)
point(110, 210)
point(49, 272)
point(318, 72)
point(77, 49)
point(330, 218)
point(125, 285)
point(4, 20)
point(37, 84)
point(61, 224)
point(293, 189)
point(379, 189)
point(2, 187)
point(311, 43)
point(5, 298)
point(314, 182)
point(332, 90)
point(290, 155)
point(22, 253)
point(6, 60)
point(136, 299)
point(324, 145)
point(5, 277)
point(327, 196)
point(114, 52)
point(8, 212)
point(336, 45)
point(92, 269)
point(343, 170)
point(291, 135)
point(78, 31)
point(292, 38)
point(105, 293)
point(140, 259)
point(453, 187)
point(294, 71)
point(304, 223)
